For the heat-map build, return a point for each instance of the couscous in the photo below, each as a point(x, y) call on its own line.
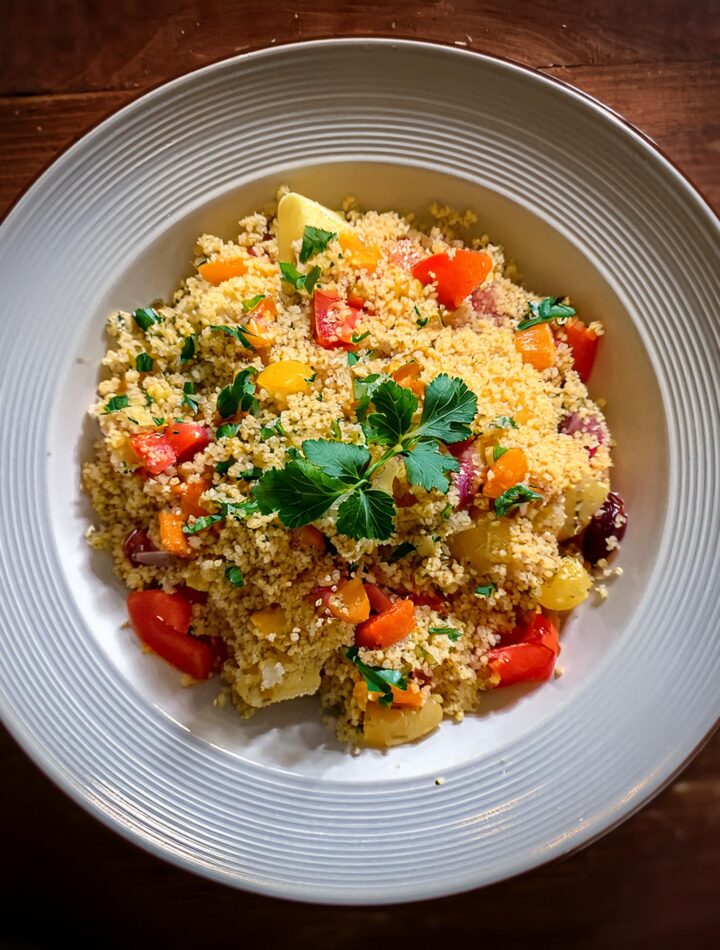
point(353, 457)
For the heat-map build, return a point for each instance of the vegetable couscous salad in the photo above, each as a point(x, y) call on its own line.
point(353, 458)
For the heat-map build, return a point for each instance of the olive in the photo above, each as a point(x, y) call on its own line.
point(608, 522)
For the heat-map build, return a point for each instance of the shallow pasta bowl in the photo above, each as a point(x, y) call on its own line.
point(589, 208)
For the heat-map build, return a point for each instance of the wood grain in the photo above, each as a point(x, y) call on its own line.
point(652, 882)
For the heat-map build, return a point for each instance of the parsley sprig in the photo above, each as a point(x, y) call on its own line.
point(546, 311)
point(377, 679)
point(314, 241)
point(291, 275)
point(514, 497)
point(333, 472)
point(240, 395)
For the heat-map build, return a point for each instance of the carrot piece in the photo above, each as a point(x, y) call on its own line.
point(218, 271)
point(310, 537)
point(358, 253)
point(509, 469)
point(386, 628)
point(190, 494)
point(350, 602)
point(536, 345)
point(171, 534)
point(409, 377)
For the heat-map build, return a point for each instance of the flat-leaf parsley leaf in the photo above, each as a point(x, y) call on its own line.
point(314, 241)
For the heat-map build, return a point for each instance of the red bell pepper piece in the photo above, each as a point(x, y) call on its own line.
point(456, 276)
point(528, 653)
point(424, 598)
point(154, 451)
point(162, 622)
point(333, 321)
point(379, 600)
point(187, 439)
point(386, 628)
point(583, 342)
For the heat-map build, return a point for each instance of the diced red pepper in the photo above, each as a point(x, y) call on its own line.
point(456, 275)
point(154, 451)
point(333, 321)
point(583, 342)
point(424, 598)
point(386, 628)
point(379, 600)
point(162, 622)
point(187, 439)
point(527, 653)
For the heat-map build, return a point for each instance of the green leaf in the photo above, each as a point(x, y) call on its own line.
point(251, 474)
point(314, 241)
point(239, 509)
point(291, 275)
point(395, 407)
point(251, 303)
point(366, 514)
point(363, 390)
point(235, 575)
point(450, 632)
point(299, 493)
point(547, 310)
point(188, 348)
point(199, 524)
point(484, 590)
point(143, 363)
point(401, 551)
point(158, 421)
point(187, 400)
point(222, 468)
point(498, 452)
point(335, 430)
point(426, 465)
point(115, 403)
point(504, 422)
point(421, 320)
point(274, 428)
point(352, 358)
point(239, 333)
point(227, 430)
point(514, 497)
point(359, 337)
point(377, 679)
point(146, 317)
point(239, 396)
point(448, 411)
point(338, 459)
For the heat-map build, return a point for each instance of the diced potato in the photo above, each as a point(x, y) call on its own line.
point(385, 727)
point(299, 682)
point(270, 620)
point(295, 213)
point(284, 378)
point(581, 503)
point(485, 544)
point(568, 588)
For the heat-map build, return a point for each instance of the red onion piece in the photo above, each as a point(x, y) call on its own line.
point(588, 425)
point(137, 542)
point(467, 477)
point(153, 558)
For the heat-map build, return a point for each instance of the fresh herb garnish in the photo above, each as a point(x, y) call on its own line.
point(235, 576)
point(251, 303)
point(300, 493)
point(314, 241)
point(275, 428)
point(239, 333)
point(199, 524)
point(115, 403)
point(498, 452)
point(544, 312)
point(143, 363)
point(352, 358)
point(251, 474)
point(504, 422)
point(401, 551)
point(421, 320)
point(234, 509)
point(377, 679)
point(239, 396)
point(159, 421)
point(311, 379)
point(187, 399)
point(450, 632)
point(425, 465)
point(222, 468)
point(514, 497)
point(227, 430)
point(188, 348)
point(291, 275)
point(359, 337)
point(484, 590)
point(335, 430)
point(146, 317)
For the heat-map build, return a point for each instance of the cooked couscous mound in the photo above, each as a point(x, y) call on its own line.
point(352, 457)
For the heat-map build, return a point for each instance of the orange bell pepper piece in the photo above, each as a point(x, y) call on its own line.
point(509, 469)
point(410, 697)
point(350, 602)
point(536, 345)
point(455, 276)
point(171, 534)
point(358, 253)
point(386, 628)
point(218, 271)
point(190, 493)
point(409, 377)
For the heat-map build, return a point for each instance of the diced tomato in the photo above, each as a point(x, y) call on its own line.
point(333, 321)
point(583, 342)
point(192, 595)
point(162, 622)
point(456, 275)
point(379, 600)
point(527, 654)
point(357, 303)
point(386, 628)
point(424, 598)
point(154, 450)
point(187, 439)
point(310, 537)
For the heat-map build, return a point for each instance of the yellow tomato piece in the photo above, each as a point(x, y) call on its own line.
point(218, 271)
point(285, 378)
point(567, 588)
point(358, 253)
point(486, 543)
point(350, 602)
point(172, 538)
point(270, 620)
point(259, 335)
point(536, 346)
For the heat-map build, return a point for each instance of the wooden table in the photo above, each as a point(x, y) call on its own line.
point(68, 881)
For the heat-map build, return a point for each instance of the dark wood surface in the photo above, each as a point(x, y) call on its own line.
point(67, 880)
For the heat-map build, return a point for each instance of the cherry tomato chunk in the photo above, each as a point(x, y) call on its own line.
point(456, 275)
point(162, 622)
point(187, 439)
point(154, 450)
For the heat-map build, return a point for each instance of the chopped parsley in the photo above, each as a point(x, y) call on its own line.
point(239, 333)
point(228, 509)
point(291, 275)
point(450, 632)
point(514, 497)
point(359, 337)
point(401, 551)
point(222, 468)
point(251, 474)
point(504, 422)
point(187, 399)
point(498, 452)
point(251, 303)
point(314, 241)
point(546, 311)
point(115, 403)
point(159, 421)
point(146, 317)
point(335, 430)
point(421, 320)
point(187, 351)
point(376, 678)
point(238, 396)
point(235, 576)
point(485, 590)
point(227, 430)
point(275, 428)
point(352, 358)
point(143, 363)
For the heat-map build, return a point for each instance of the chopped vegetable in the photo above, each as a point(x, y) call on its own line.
point(295, 213)
point(509, 469)
point(333, 321)
point(240, 396)
point(350, 602)
point(291, 275)
point(409, 376)
point(548, 310)
point(190, 494)
point(146, 317)
point(379, 600)
point(450, 632)
point(605, 530)
point(530, 657)
point(377, 679)
point(456, 275)
point(567, 588)
point(358, 253)
point(314, 241)
point(154, 450)
point(217, 272)
point(115, 403)
point(162, 622)
point(285, 378)
point(485, 590)
point(310, 537)
point(143, 363)
point(187, 351)
point(251, 303)
point(583, 342)
point(536, 346)
point(514, 497)
point(187, 439)
point(386, 628)
point(242, 334)
point(235, 575)
point(172, 536)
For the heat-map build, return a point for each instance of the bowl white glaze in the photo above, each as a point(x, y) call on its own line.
point(589, 209)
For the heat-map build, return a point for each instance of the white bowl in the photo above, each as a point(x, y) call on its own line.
point(589, 209)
